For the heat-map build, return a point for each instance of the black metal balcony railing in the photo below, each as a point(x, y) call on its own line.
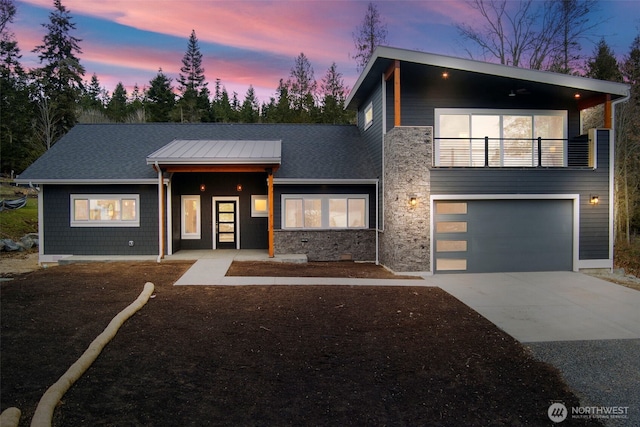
point(500, 152)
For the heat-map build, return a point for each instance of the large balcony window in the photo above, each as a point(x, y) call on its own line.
point(500, 138)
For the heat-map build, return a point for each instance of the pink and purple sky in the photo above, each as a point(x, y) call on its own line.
point(256, 42)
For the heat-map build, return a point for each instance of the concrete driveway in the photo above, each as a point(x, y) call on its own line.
point(549, 306)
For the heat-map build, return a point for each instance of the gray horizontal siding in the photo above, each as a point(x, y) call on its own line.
point(594, 220)
point(61, 238)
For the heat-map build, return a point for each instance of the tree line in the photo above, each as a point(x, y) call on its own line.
point(39, 106)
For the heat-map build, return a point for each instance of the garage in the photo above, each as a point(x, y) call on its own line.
point(482, 236)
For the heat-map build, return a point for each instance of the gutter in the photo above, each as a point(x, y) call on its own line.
point(160, 208)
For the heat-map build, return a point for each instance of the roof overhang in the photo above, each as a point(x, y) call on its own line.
point(84, 181)
point(321, 181)
point(383, 57)
point(182, 155)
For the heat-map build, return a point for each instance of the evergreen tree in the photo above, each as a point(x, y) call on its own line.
point(92, 103)
point(302, 90)
point(222, 111)
point(135, 106)
point(16, 114)
point(160, 99)
point(60, 77)
point(117, 106)
point(603, 64)
point(333, 97)
point(250, 110)
point(94, 96)
point(191, 82)
point(371, 34)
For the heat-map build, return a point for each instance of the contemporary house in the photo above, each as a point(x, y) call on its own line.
point(454, 165)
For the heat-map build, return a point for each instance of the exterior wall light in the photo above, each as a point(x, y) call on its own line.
point(413, 200)
point(202, 187)
point(594, 199)
point(239, 187)
point(445, 75)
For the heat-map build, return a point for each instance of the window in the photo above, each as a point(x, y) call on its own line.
point(105, 210)
point(325, 211)
point(513, 138)
point(368, 116)
point(190, 226)
point(259, 206)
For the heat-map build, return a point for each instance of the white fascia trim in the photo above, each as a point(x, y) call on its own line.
point(576, 214)
point(217, 162)
point(303, 181)
point(86, 181)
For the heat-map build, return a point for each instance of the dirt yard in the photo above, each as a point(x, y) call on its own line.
point(260, 355)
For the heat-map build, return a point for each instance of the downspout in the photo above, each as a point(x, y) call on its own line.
point(160, 213)
point(612, 172)
point(377, 228)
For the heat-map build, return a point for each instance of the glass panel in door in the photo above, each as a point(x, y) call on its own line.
point(225, 225)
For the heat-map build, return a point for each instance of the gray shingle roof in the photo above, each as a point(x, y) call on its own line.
point(102, 152)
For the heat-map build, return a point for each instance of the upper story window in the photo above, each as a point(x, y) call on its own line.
point(500, 138)
point(368, 116)
point(322, 211)
point(105, 210)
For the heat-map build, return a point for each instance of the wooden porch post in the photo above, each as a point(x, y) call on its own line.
point(607, 113)
point(394, 70)
point(270, 203)
point(160, 213)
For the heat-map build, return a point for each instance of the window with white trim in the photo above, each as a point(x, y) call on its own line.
point(105, 210)
point(512, 137)
point(325, 211)
point(259, 205)
point(368, 116)
point(190, 212)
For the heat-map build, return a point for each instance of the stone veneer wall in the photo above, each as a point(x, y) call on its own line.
point(328, 245)
point(405, 242)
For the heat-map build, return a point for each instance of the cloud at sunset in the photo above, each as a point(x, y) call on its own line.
point(248, 42)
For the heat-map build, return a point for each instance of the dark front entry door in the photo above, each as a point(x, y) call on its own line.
point(226, 224)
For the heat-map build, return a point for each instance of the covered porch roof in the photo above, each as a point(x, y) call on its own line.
point(218, 155)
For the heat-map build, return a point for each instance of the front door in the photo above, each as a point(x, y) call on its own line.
point(226, 224)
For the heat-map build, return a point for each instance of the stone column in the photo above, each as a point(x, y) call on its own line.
point(405, 242)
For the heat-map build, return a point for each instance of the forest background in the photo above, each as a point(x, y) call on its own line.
point(39, 105)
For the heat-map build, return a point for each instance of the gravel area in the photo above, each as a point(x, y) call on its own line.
point(603, 373)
